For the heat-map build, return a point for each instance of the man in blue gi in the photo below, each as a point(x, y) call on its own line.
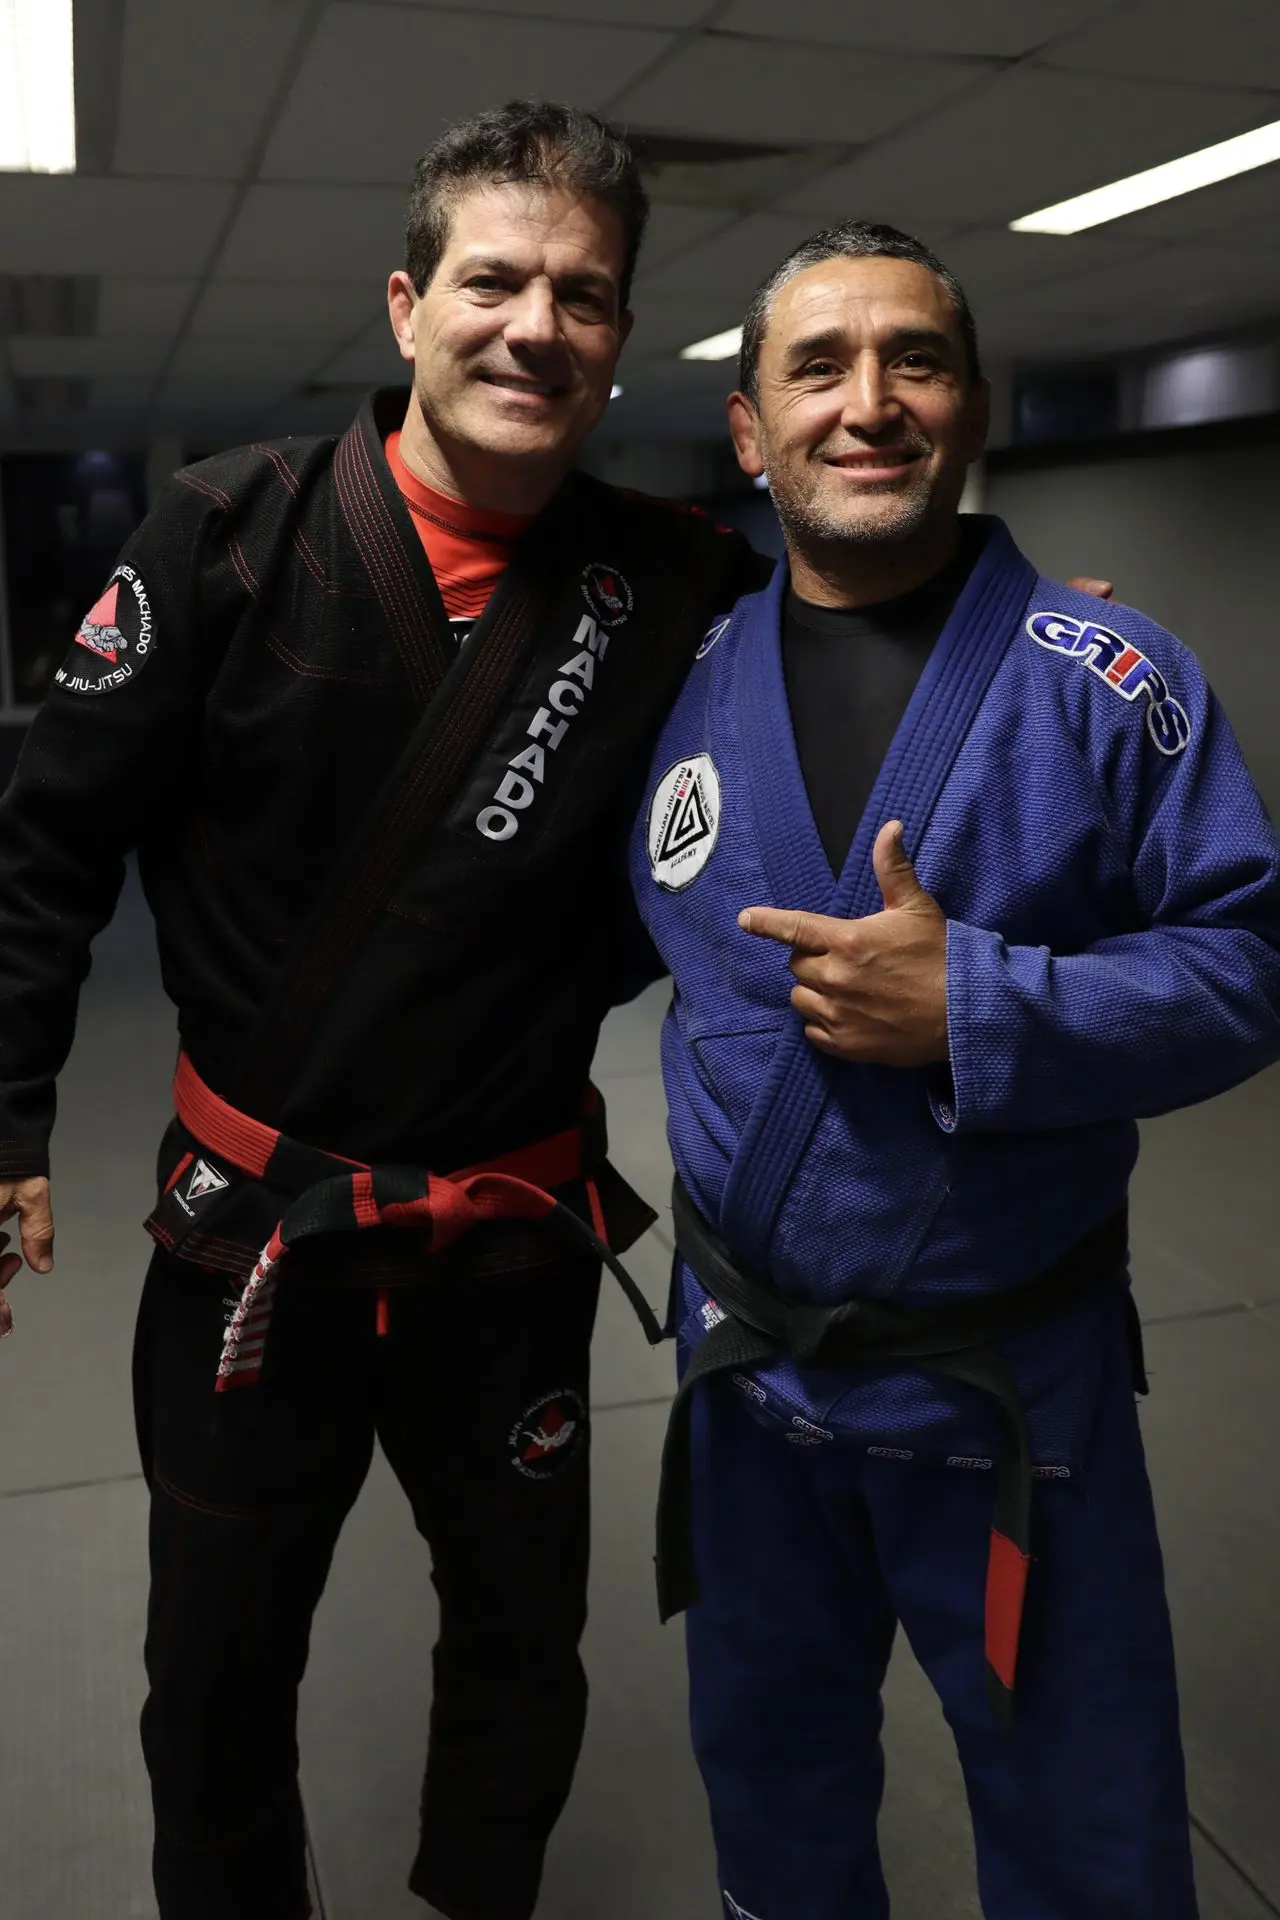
point(959, 873)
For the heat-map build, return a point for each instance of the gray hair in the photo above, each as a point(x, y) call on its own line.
point(850, 240)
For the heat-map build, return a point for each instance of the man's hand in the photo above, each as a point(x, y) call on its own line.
point(873, 989)
point(29, 1201)
point(1100, 589)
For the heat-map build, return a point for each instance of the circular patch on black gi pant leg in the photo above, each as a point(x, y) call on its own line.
point(549, 1435)
point(607, 593)
point(115, 641)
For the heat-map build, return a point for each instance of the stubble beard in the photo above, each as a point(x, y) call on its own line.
point(813, 527)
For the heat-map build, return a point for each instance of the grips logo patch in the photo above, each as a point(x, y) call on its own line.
point(1120, 666)
point(684, 822)
point(115, 639)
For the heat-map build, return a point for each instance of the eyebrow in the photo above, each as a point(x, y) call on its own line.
point(902, 337)
point(495, 263)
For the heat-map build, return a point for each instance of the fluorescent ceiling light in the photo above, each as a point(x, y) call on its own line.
point(615, 393)
point(718, 346)
point(37, 87)
point(1194, 170)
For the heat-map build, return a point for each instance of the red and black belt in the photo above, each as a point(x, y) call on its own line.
point(336, 1195)
point(954, 1338)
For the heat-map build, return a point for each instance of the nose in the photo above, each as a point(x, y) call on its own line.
point(868, 402)
point(532, 321)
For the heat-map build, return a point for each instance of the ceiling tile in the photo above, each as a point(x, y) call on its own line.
point(1235, 43)
point(329, 310)
point(1024, 140)
point(380, 83)
point(673, 229)
point(147, 309)
point(293, 233)
point(120, 393)
point(995, 262)
point(726, 271)
point(265, 360)
point(65, 224)
point(769, 90)
point(196, 80)
point(84, 359)
point(640, 13)
point(1001, 27)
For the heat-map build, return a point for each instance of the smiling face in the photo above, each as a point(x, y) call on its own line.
point(868, 415)
point(515, 340)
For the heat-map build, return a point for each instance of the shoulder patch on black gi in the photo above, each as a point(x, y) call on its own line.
point(115, 641)
point(1119, 665)
point(684, 821)
point(549, 1435)
point(607, 593)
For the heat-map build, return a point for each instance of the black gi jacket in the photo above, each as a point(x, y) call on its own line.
point(380, 935)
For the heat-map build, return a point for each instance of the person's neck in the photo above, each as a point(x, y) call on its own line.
point(488, 481)
point(844, 574)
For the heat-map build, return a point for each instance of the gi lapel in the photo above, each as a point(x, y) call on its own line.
point(461, 703)
point(916, 768)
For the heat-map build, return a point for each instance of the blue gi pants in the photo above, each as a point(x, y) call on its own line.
point(809, 1557)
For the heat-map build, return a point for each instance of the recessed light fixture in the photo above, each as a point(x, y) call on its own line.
point(1203, 169)
point(615, 393)
point(37, 87)
point(717, 346)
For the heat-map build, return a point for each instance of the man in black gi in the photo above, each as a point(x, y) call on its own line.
point(342, 808)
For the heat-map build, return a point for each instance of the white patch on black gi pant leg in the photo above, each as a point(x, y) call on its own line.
point(549, 1435)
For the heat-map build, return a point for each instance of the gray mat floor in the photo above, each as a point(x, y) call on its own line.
point(633, 1845)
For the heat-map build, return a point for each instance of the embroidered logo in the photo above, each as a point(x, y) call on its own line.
point(713, 634)
point(890, 1453)
point(204, 1181)
point(1120, 666)
point(684, 822)
point(114, 642)
point(806, 1434)
point(549, 1436)
point(1052, 1473)
point(974, 1463)
point(607, 593)
point(751, 1388)
point(735, 1911)
point(711, 1314)
point(527, 770)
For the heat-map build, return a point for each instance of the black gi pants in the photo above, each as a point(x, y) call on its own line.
point(478, 1395)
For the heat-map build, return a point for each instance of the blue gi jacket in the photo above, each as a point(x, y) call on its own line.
point(1075, 799)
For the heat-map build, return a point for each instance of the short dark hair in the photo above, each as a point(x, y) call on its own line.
point(850, 240)
point(534, 141)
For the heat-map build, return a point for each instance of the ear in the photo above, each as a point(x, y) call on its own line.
point(402, 303)
point(744, 427)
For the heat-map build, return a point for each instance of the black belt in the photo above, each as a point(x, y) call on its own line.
point(954, 1338)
